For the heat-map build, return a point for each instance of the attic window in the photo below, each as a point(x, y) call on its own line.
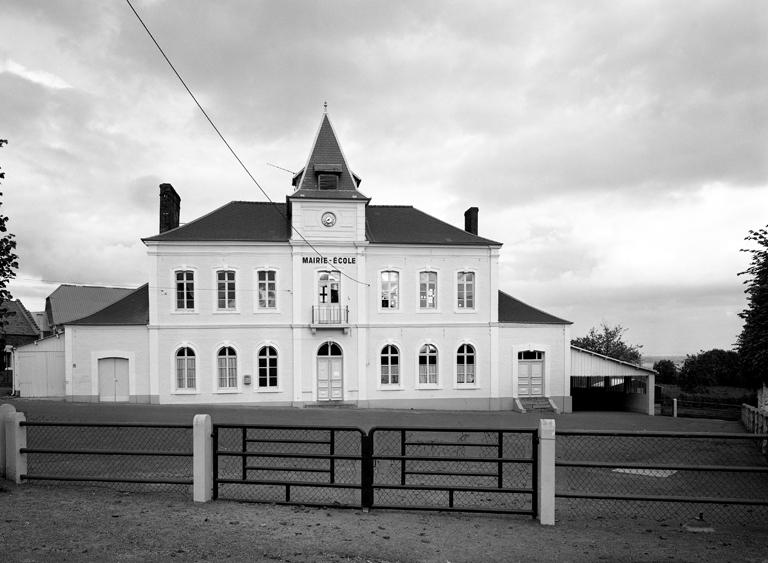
point(327, 181)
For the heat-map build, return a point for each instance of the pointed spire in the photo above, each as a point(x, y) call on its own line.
point(326, 162)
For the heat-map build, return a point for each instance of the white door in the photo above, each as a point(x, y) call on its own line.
point(330, 377)
point(113, 380)
point(530, 374)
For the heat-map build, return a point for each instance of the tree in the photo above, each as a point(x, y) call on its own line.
point(608, 341)
point(713, 367)
point(8, 265)
point(667, 371)
point(752, 343)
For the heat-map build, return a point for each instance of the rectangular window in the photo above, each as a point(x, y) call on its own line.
point(185, 290)
point(428, 290)
point(466, 290)
point(390, 290)
point(185, 372)
point(225, 282)
point(267, 289)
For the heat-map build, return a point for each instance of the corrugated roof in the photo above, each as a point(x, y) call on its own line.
point(71, 302)
point(19, 321)
point(133, 309)
point(513, 310)
point(248, 221)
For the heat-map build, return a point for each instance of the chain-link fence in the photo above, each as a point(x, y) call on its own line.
point(662, 476)
point(285, 464)
point(128, 457)
point(466, 470)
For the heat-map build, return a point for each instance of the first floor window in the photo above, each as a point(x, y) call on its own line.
point(267, 289)
point(428, 364)
point(185, 289)
point(466, 290)
point(390, 290)
point(267, 367)
point(225, 280)
point(227, 363)
point(390, 365)
point(465, 364)
point(428, 290)
point(185, 368)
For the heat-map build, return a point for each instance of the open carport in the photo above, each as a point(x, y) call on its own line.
point(602, 383)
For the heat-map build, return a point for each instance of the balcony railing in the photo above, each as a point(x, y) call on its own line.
point(330, 316)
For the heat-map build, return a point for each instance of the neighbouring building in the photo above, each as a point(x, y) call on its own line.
point(323, 298)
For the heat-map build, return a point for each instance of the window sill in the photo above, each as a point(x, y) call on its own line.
point(184, 312)
point(428, 311)
point(428, 387)
point(465, 311)
point(390, 388)
point(267, 390)
point(227, 391)
point(266, 311)
point(469, 386)
point(226, 311)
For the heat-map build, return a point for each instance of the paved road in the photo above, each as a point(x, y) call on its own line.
point(361, 418)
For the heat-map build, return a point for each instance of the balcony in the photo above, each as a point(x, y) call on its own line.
point(330, 316)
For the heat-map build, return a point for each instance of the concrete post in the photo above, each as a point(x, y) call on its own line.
point(15, 439)
point(546, 472)
point(202, 458)
point(651, 394)
point(674, 408)
point(5, 411)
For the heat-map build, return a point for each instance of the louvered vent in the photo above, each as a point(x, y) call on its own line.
point(327, 181)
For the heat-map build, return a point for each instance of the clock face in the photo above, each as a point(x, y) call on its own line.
point(328, 219)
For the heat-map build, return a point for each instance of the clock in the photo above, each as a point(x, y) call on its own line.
point(328, 219)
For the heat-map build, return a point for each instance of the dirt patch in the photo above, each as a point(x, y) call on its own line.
point(79, 523)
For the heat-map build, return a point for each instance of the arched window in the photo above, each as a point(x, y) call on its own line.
point(390, 365)
point(428, 364)
point(227, 361)
point(465, 364)
point(329, 349)
point(267, 367)
point(185, 368)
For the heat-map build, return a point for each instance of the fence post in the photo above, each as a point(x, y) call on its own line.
point(366, 474)
point(5, 411)
point(546, 472)
point(202, 458)
point(674, 408)
point(15, 439)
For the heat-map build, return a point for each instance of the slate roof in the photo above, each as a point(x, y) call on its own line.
point(326, 156)
point(250, 221)
point(513, 310)
point(19, 321)
point(71, 302)
point(133, 309)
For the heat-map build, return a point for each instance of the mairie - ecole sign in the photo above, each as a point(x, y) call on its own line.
point(329, 259)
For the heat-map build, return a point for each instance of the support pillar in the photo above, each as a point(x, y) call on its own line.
point(546, 472)
point(5, 411)
point(202, 458)
point(15, 439)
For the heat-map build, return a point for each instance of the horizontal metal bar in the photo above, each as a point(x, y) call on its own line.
point(287, 455)
point(631, 465)
point(107, 424)
point(454, 459)
point(644, 434)
point(292, 503)
point(321, 485)
point(285, 468)
point(473, 444)
point(528, 512)
point(454, 488)
point(290, 427)
point(453, 429)
point(107, 479)
point(261, 441)
point(104, 452)
point(448, 473)
point(661, 498)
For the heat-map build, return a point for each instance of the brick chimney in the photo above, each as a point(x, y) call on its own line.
point(470, 220)
point(170, 207)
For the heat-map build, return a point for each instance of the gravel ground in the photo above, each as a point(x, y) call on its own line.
point(79, 523)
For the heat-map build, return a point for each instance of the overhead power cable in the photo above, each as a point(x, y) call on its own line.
point(226, 143)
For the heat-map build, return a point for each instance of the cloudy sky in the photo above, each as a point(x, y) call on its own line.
point(617, 148)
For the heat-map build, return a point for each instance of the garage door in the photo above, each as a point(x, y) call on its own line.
point(113, 379)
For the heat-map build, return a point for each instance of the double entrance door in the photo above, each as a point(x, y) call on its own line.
point(113, 380)
point(330, 376)
point(530, 374)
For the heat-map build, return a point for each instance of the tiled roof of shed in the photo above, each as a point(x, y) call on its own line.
point(133, 309)
point(513, 310)
point(71, 302)
point(244, 221)
point(18, 320)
